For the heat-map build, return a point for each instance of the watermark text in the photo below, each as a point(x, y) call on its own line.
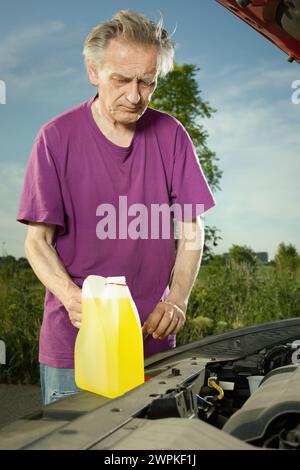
point(2, 92)
point(296, 94)
point(154, 221)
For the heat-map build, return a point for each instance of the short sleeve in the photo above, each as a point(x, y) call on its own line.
point(190, 192)
point(41, 198)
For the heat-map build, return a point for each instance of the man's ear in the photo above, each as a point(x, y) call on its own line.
point(93, 74)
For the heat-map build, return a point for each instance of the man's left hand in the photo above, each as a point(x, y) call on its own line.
point(166, 319)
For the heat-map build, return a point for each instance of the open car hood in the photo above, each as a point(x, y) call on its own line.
point(177, 407)
point(277, 20)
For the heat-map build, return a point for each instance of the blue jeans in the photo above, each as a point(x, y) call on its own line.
point(57, 383)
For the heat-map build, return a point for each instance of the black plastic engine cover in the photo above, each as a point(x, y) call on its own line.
point(277, 395)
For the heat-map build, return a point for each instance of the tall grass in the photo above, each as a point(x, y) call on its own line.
point(224, 297)
point(21, 309)
point(238, 295)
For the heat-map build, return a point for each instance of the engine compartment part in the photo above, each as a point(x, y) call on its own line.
point(272, 412)
point(186, 434)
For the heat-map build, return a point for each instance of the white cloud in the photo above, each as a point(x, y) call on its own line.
point(264, 78)
point(12, 233)
point(257, 140)
point(14, 48)
point(34, 58)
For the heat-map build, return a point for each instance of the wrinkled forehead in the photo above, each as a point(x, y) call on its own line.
point(131, 60)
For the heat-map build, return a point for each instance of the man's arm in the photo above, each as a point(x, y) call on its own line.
point(168, 317)
point(187, 262)
point(48, 267)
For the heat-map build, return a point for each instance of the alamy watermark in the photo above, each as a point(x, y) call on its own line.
point(296, 94)
point(2, 352)
point(154, 221)
point(2, 92)
point(296, 354)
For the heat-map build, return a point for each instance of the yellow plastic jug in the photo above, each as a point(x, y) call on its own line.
point(109, 356)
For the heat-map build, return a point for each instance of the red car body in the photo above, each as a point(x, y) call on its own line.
point(277, 20)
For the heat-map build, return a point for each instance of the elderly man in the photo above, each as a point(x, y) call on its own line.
point(109, 146)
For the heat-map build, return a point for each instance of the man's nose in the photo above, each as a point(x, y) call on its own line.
point(133, 95)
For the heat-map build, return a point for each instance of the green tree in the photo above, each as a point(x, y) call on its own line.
point(242, 255)
point(179, 95)
point(287, 257)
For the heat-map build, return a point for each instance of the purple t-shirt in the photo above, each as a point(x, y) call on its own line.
point(73, 169)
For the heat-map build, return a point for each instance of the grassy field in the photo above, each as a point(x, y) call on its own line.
point(225, 296)
point(239, 295)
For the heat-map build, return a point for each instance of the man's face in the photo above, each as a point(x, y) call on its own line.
point(127, 79)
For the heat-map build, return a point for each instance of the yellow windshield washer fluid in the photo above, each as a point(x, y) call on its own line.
point(109, 355)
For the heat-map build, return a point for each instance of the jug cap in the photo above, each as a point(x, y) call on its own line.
point(120, 280)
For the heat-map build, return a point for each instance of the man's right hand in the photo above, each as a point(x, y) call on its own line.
point(49, 269)
point(73, 305)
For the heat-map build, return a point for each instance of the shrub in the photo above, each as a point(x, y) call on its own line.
point(227, 296)
point(21, 307)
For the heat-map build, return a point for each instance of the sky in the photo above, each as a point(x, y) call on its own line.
point(254, 132)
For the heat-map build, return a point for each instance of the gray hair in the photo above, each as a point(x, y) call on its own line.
point(133, 27)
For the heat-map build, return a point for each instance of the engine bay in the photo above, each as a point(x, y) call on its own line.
point(238, 390)
point(255, 399)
